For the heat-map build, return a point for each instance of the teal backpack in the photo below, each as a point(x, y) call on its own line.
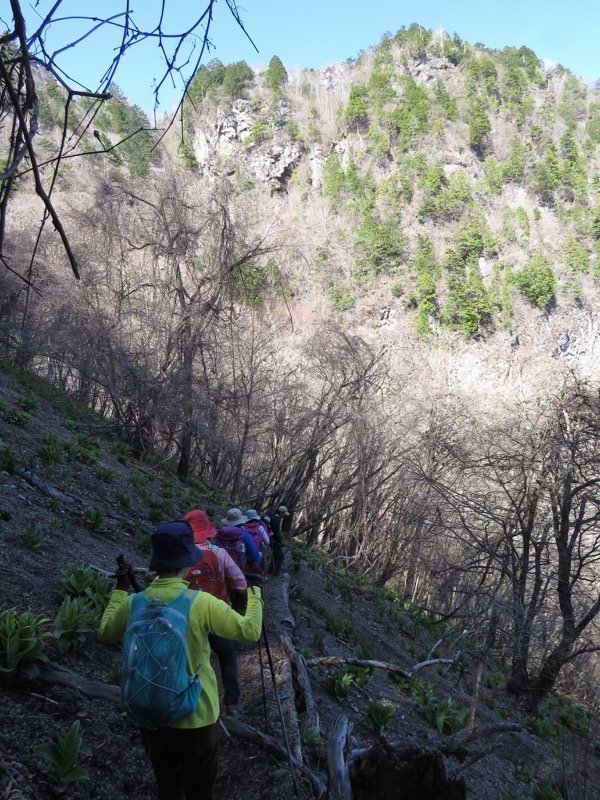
point(156, 688)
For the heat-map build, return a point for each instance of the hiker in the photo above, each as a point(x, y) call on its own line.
point(184, 754)
point(257, 530)
point(237, 541)
point(275, 520)
point(219, 575)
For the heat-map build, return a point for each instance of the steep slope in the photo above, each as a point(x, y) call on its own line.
point(49, 492)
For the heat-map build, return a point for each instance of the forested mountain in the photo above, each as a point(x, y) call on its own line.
point(368, 291)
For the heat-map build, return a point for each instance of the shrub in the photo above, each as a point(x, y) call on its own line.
point(21, 644)
point(340, 295)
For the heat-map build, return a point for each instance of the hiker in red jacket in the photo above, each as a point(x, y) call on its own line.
point(219, 575)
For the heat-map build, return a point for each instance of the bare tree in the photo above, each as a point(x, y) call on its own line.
point(24, 55)
point(519, 501)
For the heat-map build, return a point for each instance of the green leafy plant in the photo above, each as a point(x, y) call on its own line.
point(114, 674)
point(84, 582)
point(105, 474)
point(541, 725)
point(443, 714)
point(339, 683)
point(340, 627)
point(93, 518)
point(28, 403)
point(8, 459)
point(122, 500)
point(121, 451)
point(63, 754)
point(34, 535)
point(310, 734)
point(21, 644)
point(546, 793)
point(73, 622)
point(52, 449)
point(13, 415)
point(305, 651)
point(381, 716)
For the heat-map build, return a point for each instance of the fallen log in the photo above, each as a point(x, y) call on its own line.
point(53, 674)
point(339, 776)
point(42, 485)
point(307, 702)
point(279, 599)
point(287, 698)
point(272, 746)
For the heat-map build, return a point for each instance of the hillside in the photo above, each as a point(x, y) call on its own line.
point(369, 291)
point(62, 505)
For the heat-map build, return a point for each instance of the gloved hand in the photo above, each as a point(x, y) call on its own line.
point(125, 575)
point(255, 578)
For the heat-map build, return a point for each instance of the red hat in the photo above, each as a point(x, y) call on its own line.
point(201, 525)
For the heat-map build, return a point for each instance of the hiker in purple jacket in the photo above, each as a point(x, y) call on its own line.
point(229, 533)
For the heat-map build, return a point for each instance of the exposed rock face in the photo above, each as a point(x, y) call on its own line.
point(226, 143)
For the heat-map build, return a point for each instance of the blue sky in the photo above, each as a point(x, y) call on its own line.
point(312, 33)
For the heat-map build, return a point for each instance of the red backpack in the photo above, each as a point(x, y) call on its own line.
point(209, 576)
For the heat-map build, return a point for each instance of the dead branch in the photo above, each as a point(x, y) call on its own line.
point(394, 669)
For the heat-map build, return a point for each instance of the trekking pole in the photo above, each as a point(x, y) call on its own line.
point(264, 691)
point(285, 735)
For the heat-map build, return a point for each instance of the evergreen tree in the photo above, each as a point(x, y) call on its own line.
point(356, 110)
point(276, 74)
point(536, 281)
point(236, 79)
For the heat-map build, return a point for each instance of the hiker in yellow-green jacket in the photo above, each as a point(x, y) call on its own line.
point(184, 755)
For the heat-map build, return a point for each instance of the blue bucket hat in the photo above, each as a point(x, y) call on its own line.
point(173, 547)
point(252, 514)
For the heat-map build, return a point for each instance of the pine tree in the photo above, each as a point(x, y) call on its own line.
point(276, 74)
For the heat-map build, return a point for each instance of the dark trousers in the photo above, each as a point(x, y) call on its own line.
point(225, 650)
point(184, 761)
point(276, 563)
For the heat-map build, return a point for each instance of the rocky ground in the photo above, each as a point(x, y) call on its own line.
point(45, 525)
